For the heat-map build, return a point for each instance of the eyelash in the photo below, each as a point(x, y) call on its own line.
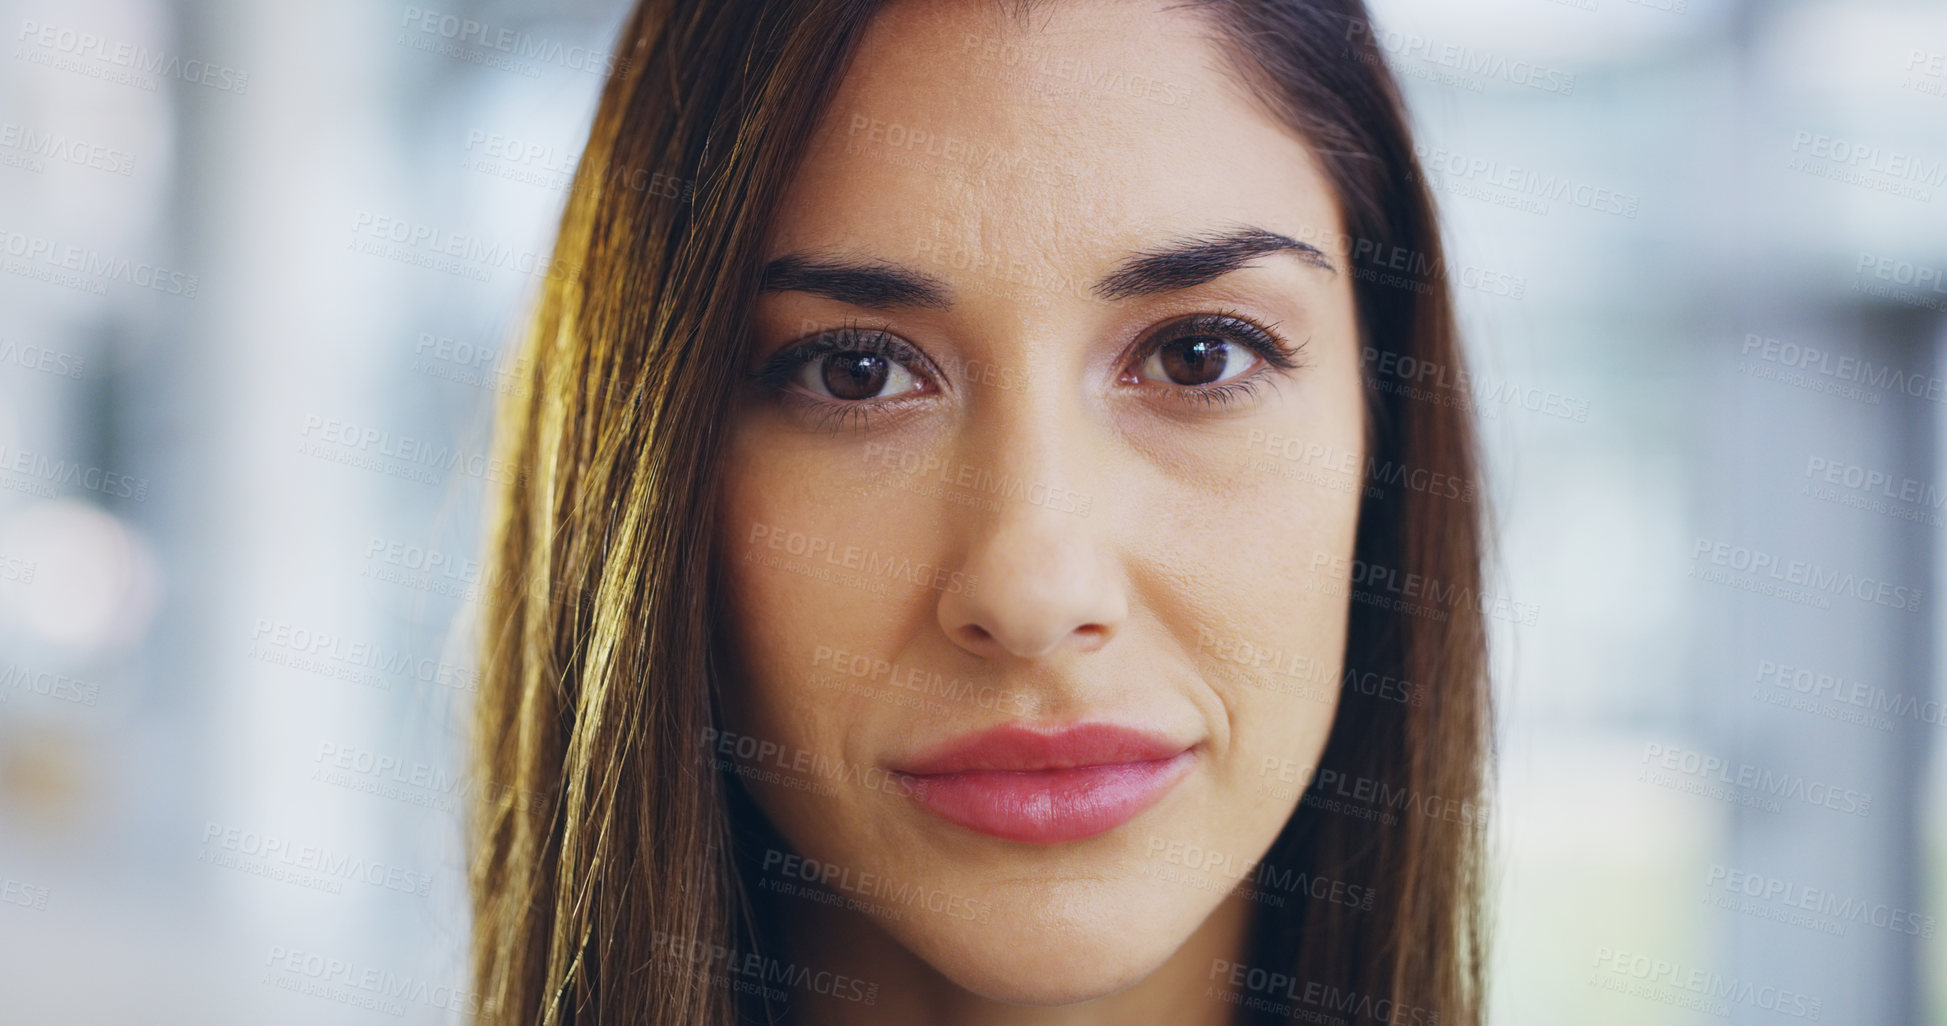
point(775, 376)
point(1264, 340)
point(777, 373)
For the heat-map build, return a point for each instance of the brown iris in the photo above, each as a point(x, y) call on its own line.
point(855, 375)
point(1194, 359)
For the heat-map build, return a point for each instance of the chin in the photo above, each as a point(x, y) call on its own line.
point(1059, 944)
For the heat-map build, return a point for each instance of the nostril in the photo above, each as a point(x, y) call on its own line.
point(976, 634)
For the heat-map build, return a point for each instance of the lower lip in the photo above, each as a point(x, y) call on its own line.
point(1049, 806)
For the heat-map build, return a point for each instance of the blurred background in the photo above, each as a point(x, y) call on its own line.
point(260, 261)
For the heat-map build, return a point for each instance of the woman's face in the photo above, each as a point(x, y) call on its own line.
point(1039, 500)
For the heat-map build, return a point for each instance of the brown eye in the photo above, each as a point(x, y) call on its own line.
point(1197, 359)
point(854, 375)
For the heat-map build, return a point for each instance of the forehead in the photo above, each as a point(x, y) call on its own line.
point(1071, 136)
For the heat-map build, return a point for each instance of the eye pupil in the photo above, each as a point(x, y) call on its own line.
point(1195, 359)
point(856, 375)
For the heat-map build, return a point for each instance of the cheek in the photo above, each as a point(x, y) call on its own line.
point(1264, 596)
point(1269, 639)
point(789, 612)
point(813, 629)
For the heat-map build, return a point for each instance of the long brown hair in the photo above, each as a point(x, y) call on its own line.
point(598, 682)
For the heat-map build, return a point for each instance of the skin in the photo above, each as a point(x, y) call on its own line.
point(1198, 544)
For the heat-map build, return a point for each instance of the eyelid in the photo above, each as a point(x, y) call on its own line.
point(776, 374)
point(777, 371)
point(1264, 340)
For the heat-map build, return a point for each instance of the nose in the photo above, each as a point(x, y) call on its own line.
point(1043, 577)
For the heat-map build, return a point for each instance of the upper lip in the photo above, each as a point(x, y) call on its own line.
point(1022, 748)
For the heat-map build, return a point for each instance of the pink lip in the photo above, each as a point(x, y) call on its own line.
point(1047, 787)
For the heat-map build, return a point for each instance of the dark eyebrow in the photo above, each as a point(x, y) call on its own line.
point(1192, 261)
point(866, 284)
point(1180, 265)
